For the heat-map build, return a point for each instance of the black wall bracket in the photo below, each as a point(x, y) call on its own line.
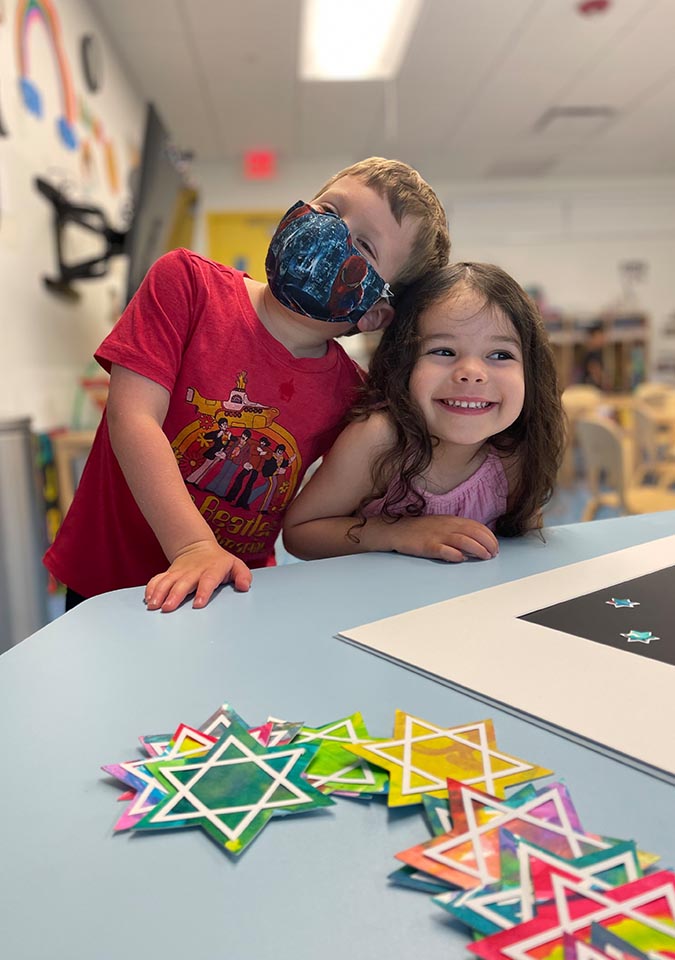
point(89, 218)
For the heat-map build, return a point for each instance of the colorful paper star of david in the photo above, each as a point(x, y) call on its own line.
point(501, 906)
point(220, 721)
point(614, 602)
point(283, 731)
point(421, 756)
point(416, 880)
point(437, 815)
point(437, 812)
point(604, 945)
point(574, 948)
point(642, 912)
point(334, 768)
point(262, 733)
point(640, 636)
point(154, 746)
point(186, 742)
point(529, 865)
point(234, 789)
point(616, 947)
point(470, 855)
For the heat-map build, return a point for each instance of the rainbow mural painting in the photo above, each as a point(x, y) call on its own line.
point(95, 130)
point(29, 13)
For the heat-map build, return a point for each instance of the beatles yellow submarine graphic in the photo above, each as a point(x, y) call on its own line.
point(252, 420)
point(239, 410)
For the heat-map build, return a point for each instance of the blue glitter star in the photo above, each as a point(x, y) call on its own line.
point(640, 636)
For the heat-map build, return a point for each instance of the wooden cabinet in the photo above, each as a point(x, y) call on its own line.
point(71, 449)
point(625, 348)
point(664, 361)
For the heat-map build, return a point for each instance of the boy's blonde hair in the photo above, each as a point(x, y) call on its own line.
point(408, 195)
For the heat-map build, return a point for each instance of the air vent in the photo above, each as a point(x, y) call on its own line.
point(572, 123)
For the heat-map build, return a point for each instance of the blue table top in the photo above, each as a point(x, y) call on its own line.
point(78, 693)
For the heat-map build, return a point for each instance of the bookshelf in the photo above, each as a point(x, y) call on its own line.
point(664, 362)
point(625, 352)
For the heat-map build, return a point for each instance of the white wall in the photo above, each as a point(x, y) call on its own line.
point(46, 342)
point(566, 237)
point(571, 237)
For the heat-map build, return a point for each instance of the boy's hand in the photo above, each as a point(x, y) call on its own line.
point(443, 538)
point(199, 567)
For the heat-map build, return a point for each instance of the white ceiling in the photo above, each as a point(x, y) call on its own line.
point(472, 98)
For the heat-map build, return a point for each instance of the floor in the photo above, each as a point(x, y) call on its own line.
point(567, 506)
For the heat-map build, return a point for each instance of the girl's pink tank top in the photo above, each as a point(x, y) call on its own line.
point(481, 497)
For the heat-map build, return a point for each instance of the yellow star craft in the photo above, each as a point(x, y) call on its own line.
point(421, 756)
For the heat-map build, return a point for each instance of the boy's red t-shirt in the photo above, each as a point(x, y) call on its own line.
point(191, 328)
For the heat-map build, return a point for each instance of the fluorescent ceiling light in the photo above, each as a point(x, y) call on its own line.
point(355, 39)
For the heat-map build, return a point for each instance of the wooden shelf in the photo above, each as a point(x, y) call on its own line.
point(625, 352)
point(71, 448)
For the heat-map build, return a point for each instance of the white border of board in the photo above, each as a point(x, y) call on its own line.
point(612, 697)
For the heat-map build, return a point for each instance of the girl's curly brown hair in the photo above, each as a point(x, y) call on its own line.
point(536, 438)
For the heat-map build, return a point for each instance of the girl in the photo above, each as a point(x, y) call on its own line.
point(460, 431)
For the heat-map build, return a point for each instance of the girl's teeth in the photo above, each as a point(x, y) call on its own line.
point(468, 404)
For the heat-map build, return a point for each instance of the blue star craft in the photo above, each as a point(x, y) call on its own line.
point(640, 636)
point(234, 789)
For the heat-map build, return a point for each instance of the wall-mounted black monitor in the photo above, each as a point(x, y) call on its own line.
point(164, 204)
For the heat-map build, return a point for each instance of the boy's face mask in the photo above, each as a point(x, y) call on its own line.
point(314, 268)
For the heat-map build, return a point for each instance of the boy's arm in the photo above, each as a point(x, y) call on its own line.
point(319, 519)
point(136, 410)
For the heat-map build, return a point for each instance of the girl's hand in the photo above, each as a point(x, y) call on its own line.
point(442, 538)
point(199, 567)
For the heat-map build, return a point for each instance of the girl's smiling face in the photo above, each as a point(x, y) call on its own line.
point(468, 380)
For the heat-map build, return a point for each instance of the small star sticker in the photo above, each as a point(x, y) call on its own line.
point(640, 636)
point(616, 602)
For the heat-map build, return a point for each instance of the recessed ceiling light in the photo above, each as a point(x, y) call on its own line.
point(355, 39)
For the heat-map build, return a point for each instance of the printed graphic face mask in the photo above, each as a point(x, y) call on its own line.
point(314, 268)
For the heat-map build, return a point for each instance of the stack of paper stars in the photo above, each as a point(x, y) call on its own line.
point(530, 883)
point(521, 873)
point(229, 778)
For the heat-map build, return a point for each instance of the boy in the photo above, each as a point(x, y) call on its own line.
point(207, 364)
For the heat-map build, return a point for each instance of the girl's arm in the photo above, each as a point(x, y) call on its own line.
point(136, 410)
point(319, 519)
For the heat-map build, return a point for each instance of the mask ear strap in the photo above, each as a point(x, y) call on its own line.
point(387, 293)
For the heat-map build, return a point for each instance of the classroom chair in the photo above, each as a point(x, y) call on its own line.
point(578, 400)
point(608, 456)
point(660, 399)
point(654, 454)
point(652, 392)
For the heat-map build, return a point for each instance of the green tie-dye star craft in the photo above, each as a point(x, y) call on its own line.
point(234, 789)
